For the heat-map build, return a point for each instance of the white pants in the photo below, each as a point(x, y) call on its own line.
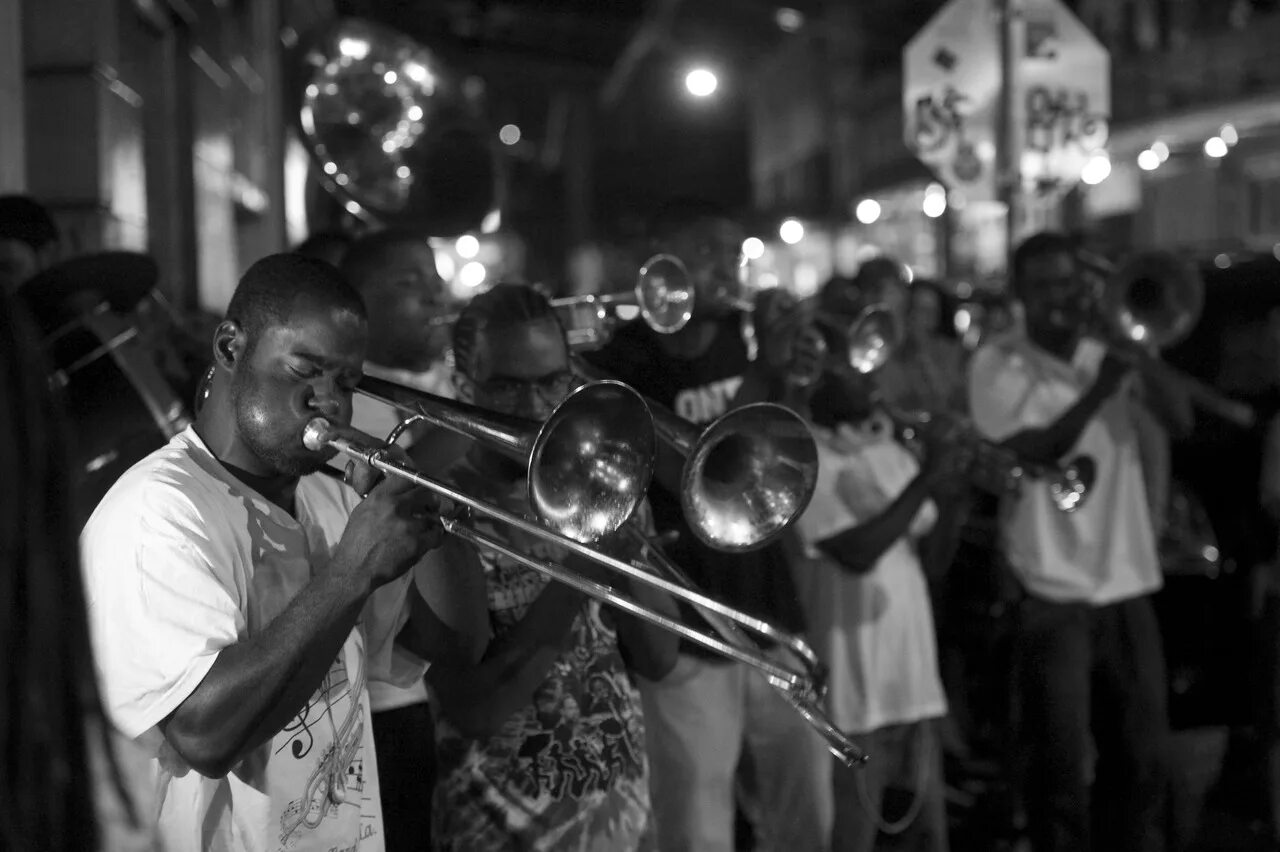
point(698, 720)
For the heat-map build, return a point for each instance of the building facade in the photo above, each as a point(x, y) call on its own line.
point(1183, 72)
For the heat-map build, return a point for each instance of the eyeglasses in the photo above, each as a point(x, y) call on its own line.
point(507, 393)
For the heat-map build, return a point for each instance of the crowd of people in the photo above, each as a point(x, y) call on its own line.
point(289, 652)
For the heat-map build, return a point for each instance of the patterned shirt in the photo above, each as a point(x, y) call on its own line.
point(566, 772)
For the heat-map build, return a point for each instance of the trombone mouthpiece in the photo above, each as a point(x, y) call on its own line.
point(316, 436)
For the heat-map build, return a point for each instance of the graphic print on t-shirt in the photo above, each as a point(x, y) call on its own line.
point(707, 402)
point(337, 776)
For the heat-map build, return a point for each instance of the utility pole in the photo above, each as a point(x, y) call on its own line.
point(1010, 121)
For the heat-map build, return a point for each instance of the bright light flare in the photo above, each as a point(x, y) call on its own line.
point(867, 211)
point(1215, 147)
point(1096, 170)
point(935, 200)
point(445, 266)
point(472, 275)
point(701, 82)
point(791, 231)
point(356, 48)
point(752, 248)
point(509, 134)
point(1149, 160)
point(467, 247)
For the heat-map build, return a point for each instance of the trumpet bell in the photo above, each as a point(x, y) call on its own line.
point(591, 462)
point(871, 339)
point(664, 294)
point(748, 477)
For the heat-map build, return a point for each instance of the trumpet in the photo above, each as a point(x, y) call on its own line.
point(559, 454)
point(743, 479)
point(662, 295)
point(871, 341)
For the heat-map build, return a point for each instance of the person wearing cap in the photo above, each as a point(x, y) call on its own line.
point(28, 240)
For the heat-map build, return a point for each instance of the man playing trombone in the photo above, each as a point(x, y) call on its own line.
point(240, 603)
point(540, 741)
point(710, 712)
point(1089, 658)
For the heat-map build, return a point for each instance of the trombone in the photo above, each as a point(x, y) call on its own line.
point(743, 479)
point(588, 466)
point(1155, 299)
point(871, 339)
point(662, 295)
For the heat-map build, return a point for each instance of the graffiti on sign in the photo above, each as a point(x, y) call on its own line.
point(938, 120)
point(1060, 118)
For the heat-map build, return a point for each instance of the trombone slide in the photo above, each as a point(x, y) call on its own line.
point(320, 433)
point(1202, 395)
point(804, 695)
point(797, 689)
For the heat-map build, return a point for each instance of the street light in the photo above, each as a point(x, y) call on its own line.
point(1216, 147)
point(791, 231)
point(1096, 170)
point(701, 82)
point(867, 211)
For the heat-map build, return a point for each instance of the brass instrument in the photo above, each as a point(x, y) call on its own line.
point(803, 700)
point(588, 467)
point(662, 295)
point(743, 479)
point(996, 468)
point(1152, 301)
point(394, 134)
point(863, 343)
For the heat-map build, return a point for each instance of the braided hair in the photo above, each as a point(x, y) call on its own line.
point(501, 307)
point(49, 699)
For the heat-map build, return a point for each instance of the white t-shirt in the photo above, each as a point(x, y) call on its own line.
point(875, 630)
point(1104, 551)
point(181, 560)
point(378, 419)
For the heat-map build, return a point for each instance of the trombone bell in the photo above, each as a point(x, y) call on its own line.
point(588, 465)
point(592, 461)
point(663, 296)
point(748, 477)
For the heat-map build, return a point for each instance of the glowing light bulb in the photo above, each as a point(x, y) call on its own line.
point(791, 231)
point(472, 275)
point(935, 204)
point(1215, 147)
point(1148, 160)
point(701, 82)
point(867, 211)
point(509, 134)
point(753, 248)
point(1096, 170)
point(467, 246)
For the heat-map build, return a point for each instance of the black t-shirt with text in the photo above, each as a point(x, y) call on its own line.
point(701, 390)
